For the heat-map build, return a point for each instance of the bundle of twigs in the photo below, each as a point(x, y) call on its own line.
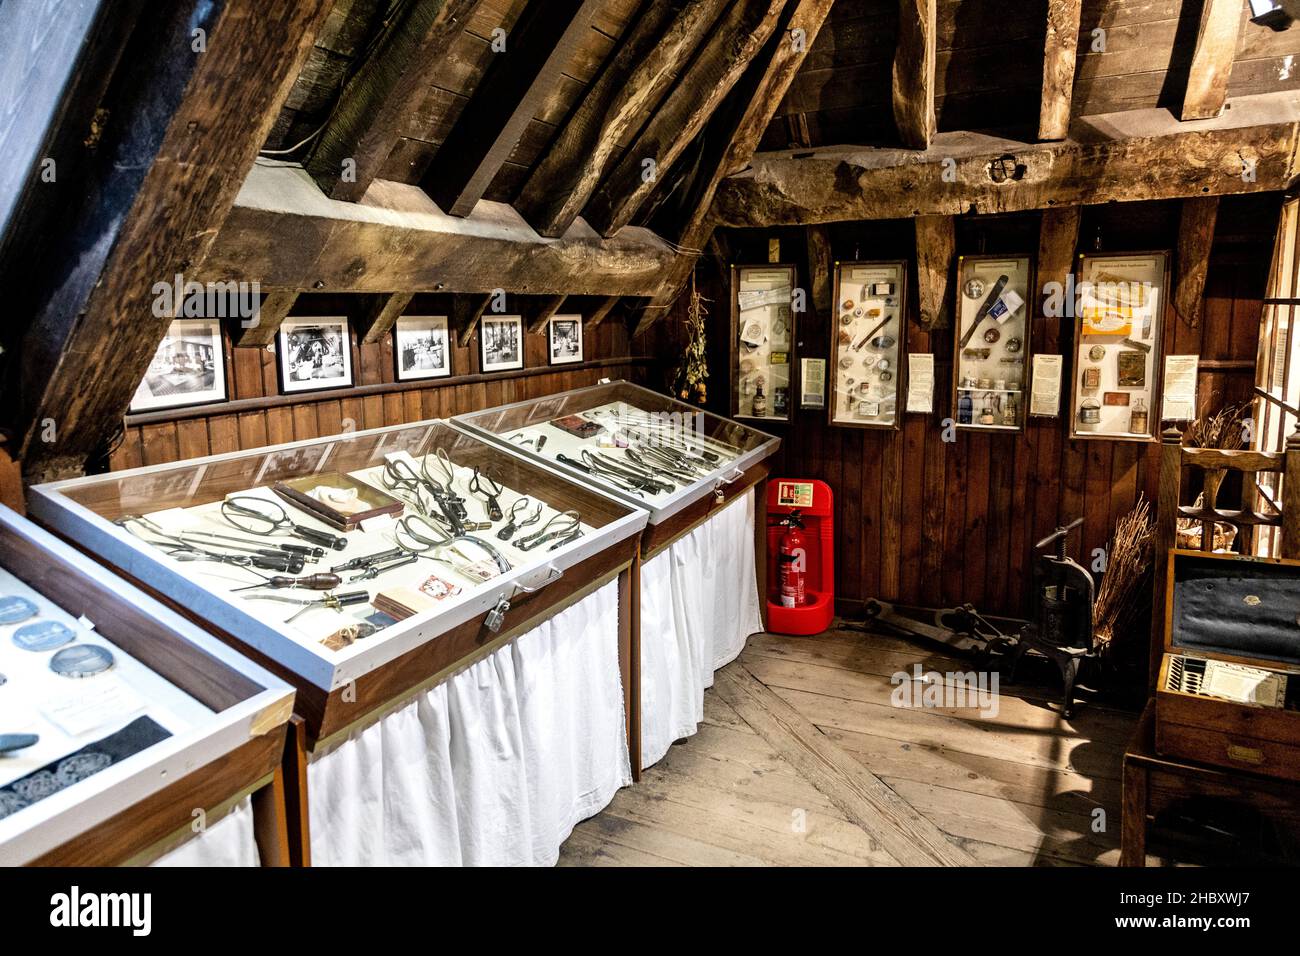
point(689, 380)
point(1128, 565)
point(1223, 429)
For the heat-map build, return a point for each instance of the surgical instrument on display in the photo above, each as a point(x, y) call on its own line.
point(372, 571)
point(569, 527)
point(311, 582)
point(487, 488)
point(176, 546)
point(523, 441)
point(335, 602)
point(516, 522)
point(265, 518)
point(646, 480)
point(424, 536)
point(364, 562)
point(308, 552)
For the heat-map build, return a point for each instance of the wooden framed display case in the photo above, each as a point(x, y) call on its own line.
point(610, 422)
point(991, 349)
point(868, 345)
point(1118, 330)
point(351, 662)
point(1228, 691)
point(125, 756)
point(763, 340)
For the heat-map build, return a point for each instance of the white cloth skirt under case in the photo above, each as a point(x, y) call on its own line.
point(228, 842)
point(491, 767)
point(699, 604)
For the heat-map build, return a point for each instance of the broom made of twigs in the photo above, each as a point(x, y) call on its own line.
point(1128, 561)
point(1223, 429)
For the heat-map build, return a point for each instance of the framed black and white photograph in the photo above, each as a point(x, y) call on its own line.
point(314, 354)
point(421, 348)
point(564, 339)
point(189, 368)
point(501, 343)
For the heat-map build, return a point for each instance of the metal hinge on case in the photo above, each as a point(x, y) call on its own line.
point(496, 617)
point(721, 483)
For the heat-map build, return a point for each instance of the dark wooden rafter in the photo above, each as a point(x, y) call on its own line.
point(1059, 52)
point(286, 235)
point(737, 37)
point(518, 79)
point(1195, 237)
point(1058, 236)
point(260, 331)
point(1211, 68)
point(936, 245)
point(380, 314)
point(732, 137)
point(651, 53)
point(366, 123)
point(537, 311)
point(600, 311)
point(466, 313)
point(1123, 157)
point(913, 72)
point(165, 136)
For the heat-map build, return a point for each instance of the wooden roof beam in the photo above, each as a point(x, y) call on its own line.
point(1059, 52)
point(466, 314)
point(380, 315)
point(1216, 45)
point(732, 137)
point(651, 53)
point(1195, 237)
point(735, 40)
point(936, 246)
point(181, 130)
point(517, 81)
point(537, 311)
point(284, 233)
point(1117, 157)
point(271, 313)
point(913, 75)
point(367, 120)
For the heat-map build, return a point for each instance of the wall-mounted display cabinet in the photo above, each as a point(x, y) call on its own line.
point(394, 541)
point(991, 344)
point(119, 718)
point(762, 342)
point(868, 344)
point(1120, 307)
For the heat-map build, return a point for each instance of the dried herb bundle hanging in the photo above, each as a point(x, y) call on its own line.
point(1223, 429)
point(1128, 566)
point(689, 380)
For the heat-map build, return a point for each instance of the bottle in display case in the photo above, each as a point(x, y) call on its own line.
point(991, 351)
point(762, 340)
point(868, 344)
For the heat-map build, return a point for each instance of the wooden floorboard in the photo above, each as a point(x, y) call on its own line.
point(803, 759)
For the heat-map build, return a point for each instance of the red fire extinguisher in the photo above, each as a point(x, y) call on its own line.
point(792, 561)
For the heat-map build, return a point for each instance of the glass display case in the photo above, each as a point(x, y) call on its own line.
point(1120, 309)
point(868, 344)
point(118, 718)
point(992, 342)
point(762, 342)
point(644, 449)
point(338, 557)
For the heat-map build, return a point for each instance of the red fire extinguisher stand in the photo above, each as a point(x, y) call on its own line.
point(800, 555)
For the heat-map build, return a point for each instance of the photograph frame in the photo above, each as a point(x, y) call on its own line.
point(406, 366)
point(1084, 342)
point(212, 340)
point(290, 379)
point(966, 264)
point(833, 391)
point(788, 344)
point(558, 323)
point(490, 328)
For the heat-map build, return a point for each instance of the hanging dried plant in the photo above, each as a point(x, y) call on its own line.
point(1128, 565)
point(1224, 429)
point(689, 380)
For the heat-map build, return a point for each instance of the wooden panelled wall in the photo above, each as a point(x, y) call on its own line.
point(922, 521)
point(259, 415)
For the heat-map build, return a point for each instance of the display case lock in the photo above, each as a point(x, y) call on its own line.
point(497, 616)
point(719, 485)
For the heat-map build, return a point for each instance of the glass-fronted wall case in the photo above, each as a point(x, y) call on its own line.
point(762, 342)
point(644, 448)
point(337, 555)
point(1120, 306)
point(868, 344)
point(992, 342)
